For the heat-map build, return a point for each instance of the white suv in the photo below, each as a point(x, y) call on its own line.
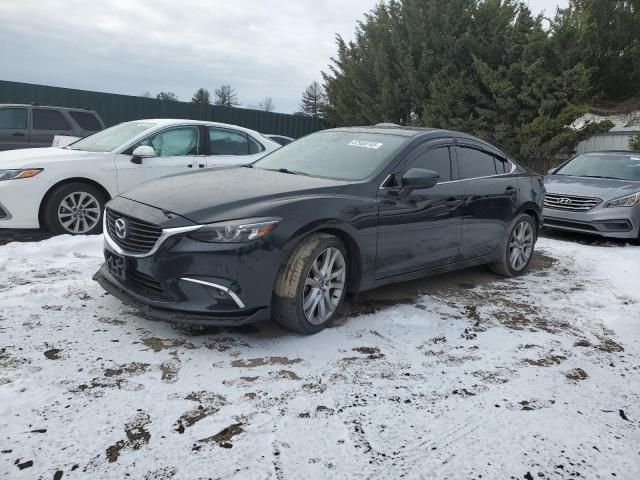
point(65, 189)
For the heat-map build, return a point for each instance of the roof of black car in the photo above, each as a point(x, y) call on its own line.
point(388, 130)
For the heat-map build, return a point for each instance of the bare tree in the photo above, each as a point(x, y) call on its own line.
point(201, 96)
point(167, 96)
point(267, 105)
point(225, 96)
point(314, 100)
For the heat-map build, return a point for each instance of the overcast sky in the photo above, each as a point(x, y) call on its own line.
point(261, 47)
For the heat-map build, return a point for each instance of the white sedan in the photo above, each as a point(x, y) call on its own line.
point(65, 189)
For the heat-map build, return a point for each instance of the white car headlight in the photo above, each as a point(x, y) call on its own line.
point(236, 231)
point(628, 201)
point(16, 174)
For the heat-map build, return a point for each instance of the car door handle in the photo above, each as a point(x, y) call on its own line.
point(511, 190)
point(201, 165)
point(190, 165)
point(18, 134)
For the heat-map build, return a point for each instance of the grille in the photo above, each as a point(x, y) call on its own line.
point(141, 236)
point(570, 203)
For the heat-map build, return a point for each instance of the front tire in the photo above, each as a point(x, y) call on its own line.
point(75, 209)
point(311, 285)
point(516, 250)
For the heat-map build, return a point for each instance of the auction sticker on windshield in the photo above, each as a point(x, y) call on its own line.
point(365, 144)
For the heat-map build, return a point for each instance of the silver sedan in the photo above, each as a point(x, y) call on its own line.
point(596, 193)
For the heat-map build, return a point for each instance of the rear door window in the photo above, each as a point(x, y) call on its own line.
point(47, 119)
point(86, 121)
point(13, 118)
point(476, 163)
point(228, 142)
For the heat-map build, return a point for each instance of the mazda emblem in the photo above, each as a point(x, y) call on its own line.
point(121, 228)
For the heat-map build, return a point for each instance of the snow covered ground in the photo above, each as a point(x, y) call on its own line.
point(462, 376)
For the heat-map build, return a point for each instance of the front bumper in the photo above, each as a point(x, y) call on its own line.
point(20, 202)
point(167, 312)
point(623, 222)
point(192, 282)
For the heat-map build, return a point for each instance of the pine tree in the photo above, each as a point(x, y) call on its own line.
point(201, 96)
point(485, 67)
point(314, 100)
point(170, 96)
point(225, 96)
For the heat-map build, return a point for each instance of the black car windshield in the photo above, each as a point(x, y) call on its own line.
point(621, 166)
point(338, 155)
point(111, 138)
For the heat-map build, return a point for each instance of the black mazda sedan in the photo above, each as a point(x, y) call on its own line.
point(335, 213)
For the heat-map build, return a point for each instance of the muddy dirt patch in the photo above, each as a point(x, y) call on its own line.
point(260, 362)
point(137, 437)
point(222, 438)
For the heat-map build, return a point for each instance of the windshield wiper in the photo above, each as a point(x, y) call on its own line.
point(599, 176)
point(248, 165)
point(286, 170)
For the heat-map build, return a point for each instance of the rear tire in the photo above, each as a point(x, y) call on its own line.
point(516, 249)
point(311, 285)
point(74, 209)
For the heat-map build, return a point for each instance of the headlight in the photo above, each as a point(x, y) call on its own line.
point(628, 201)
point(16, 174)
point(236, 231)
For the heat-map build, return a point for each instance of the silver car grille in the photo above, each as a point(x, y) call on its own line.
point(140, 236)
point(570, 203)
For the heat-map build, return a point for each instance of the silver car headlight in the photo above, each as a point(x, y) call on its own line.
point(628, 201)
point(15, 174)
point(236, 231)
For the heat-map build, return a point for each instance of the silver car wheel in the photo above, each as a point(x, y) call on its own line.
point(521, 246)
point(79, 212)
point(324, 285)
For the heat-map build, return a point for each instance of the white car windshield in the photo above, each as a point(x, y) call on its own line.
point(111, 138)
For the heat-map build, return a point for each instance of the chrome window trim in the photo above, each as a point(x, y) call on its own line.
point(226, 290)
point(166, 233)
point(513, 169)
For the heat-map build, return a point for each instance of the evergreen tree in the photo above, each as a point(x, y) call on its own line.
point(225, 96)
point(634, 143)
point(314, 100)
point(170, 96)
point(485, 67)
point(201, 96)
point(605, 36)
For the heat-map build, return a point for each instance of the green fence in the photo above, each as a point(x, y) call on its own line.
point(114, 108)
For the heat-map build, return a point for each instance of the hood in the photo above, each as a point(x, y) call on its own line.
point(37, 157)
point(229, 193)
point(603, 188)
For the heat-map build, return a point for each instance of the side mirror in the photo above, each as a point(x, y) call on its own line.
point(417, 178)
point(143, 151)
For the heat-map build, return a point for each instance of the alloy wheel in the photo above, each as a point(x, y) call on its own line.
point(324, 285)
point(521, 246)
point(79, 212)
